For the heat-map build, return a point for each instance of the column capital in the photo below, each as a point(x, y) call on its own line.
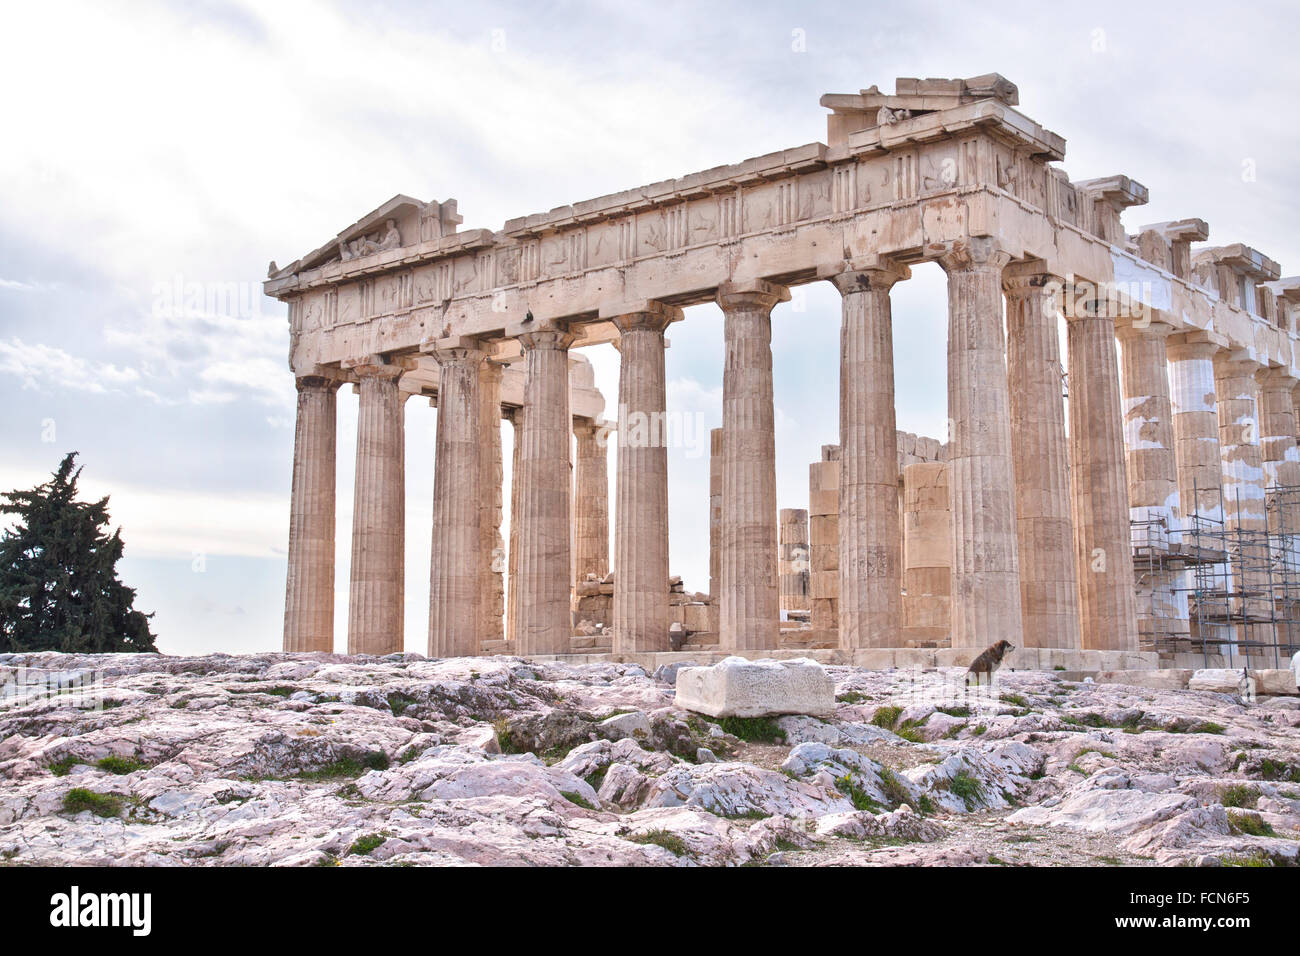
point(545, 339)
point(864, 273)
point(649, 314)
point(1024, 278)
point(1235, 362)
point(454, 349)
point(973, 254)
point(754, 294)
point(375, 366)
point(1143, 330)
point(1279, 379)
point(319, 380)
point(584, 427)
point(1191, 345)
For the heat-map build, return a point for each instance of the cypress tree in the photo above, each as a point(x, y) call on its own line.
point(59, 589)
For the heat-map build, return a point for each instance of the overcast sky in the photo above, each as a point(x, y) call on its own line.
point(148, 145)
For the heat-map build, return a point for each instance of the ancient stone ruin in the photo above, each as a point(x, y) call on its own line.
point(1149, 518)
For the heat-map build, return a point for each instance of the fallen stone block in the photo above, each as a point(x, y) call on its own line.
point(1275, 681)
point(736, 687)
point(1221, 680)
point(1171, 678)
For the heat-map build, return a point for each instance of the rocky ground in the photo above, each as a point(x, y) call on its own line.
point(331, 760)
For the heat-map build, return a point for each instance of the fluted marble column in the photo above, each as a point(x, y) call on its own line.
point(1244, 482)
point(309, 590)
point(871, 565)
point(1049, 580)
point(375, 608)
point(492, 552)
point(1103, 541)
point(545, 497)
point(1196, 424)
point(456, 570)
point(750, 603)
point(1277, 429)
point(590, 501)
point(981, 475)
point(1152, 475)
point(641, 514)
point(516, 418)
point(715, 513)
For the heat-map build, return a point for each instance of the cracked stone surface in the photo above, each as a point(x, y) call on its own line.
point(320, 759)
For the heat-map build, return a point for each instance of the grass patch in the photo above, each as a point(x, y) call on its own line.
point(596, 777)
point(1249, 824)
point(1207, 727)
point(365, 845)
point(1253, 859)
point(860, 799)
point(978, 731)
point(1014, 699)
point(1278, 770)
point(1239, 795)
point(348, 767)
point(577, 798)
point(281, 691)
point(63, 766)
point(954, 711)
point(886, 717)
point(924, 805)
point(1109, 860)
point(120, 765)
point(669, 841)
point(966, 787)
point(755, 730)
point(852, 697)
point(910, 730)
point(100, 804)
point(892, 787)
point(398, 702)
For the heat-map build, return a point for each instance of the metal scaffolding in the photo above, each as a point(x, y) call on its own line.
point(1241, 584)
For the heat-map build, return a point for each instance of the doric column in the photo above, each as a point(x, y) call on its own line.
point(793, 565)
point(1049, 580)
point(492, 553)
point(641, 514)
point(456, 571)
point(590, 501)
point(1103, 540)
point(750, 606)
point(1277, 429)
point(1196, 424)
point(981, 477)
point(375, 608)
point(871, 567)
point(515, 416)
point(1154, 505)
point(1242, 462)
point(1244, 483)
point(309, 590)
point(715, 513)
point(545, 496)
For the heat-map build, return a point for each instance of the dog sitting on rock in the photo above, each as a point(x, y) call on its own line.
point(989, 661)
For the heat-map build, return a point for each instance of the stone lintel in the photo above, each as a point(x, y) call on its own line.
point(1180, 230)
point(1241, 259)
point(734, 295)
point(1118, 190)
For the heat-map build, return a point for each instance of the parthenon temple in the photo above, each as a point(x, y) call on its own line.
point(1129, 500)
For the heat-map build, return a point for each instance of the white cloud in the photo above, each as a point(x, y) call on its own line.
point(42, 366)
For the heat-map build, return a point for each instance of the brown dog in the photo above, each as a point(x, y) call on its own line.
point(989, 661)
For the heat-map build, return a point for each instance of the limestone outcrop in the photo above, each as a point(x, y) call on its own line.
point(318, 759)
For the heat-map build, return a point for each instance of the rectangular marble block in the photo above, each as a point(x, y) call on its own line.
point(737, 687)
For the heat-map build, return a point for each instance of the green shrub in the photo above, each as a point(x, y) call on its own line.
point(886, 716)
point(100, 804)
point(63, 766)
point(365, 845)
point(860, 799)
point(120, 765)
point(1239, 795)
point(1249, 824)
point(757, 730)
point(576, 798)
point(669, 841)
point(966, 787)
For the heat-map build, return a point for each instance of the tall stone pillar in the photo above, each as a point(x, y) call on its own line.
point(545, 497)
point(824, 539)
point(376, 609)
point(715, 513)
point(981, 476)
point(1196, 424)
point(641, 515)
point(456, 575)
point(793, 564)
point(927, 572)
point(492, 553)
point(1049, 580)
point(1154, 505)
point(1103, 542)
point(871, 567)
point(516, 418)
point(750, 608)
point(309, 591)
point(590, 502)
point(1244, 484)
point(1277, 430)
